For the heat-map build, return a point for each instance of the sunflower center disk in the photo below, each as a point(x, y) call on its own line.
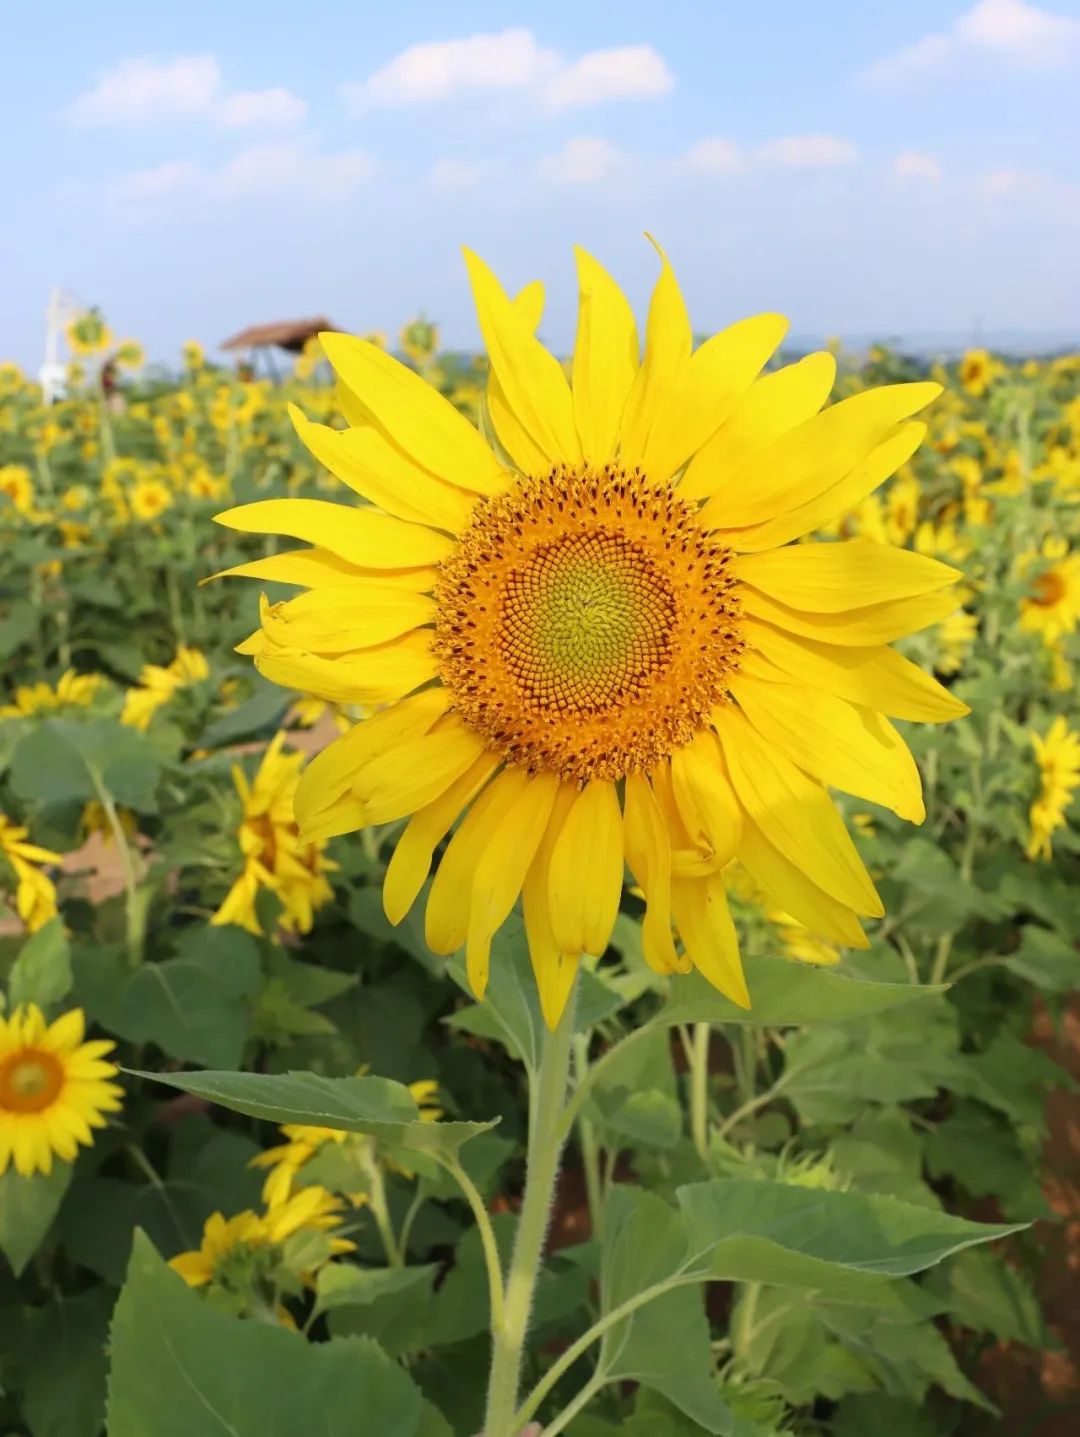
point(586, 624)
point(29, 1081)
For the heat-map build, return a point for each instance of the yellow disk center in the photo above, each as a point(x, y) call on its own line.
point(29, 1081)
point(1048, 589)
point(586, 623)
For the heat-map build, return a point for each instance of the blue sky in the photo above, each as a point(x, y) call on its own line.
point(886, 169)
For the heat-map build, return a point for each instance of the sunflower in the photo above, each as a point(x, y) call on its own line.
point(194, 355)
point(978, 369)
point(17, 487)
point(594, 640)
point(274, 856)
point(72, 691)
point(157, 685)
point(229, 1244)
point(1058, 756)
point(89, 334)
point(1052, 607)
point(149, 498)
point(54, 1088)
point(35, 896)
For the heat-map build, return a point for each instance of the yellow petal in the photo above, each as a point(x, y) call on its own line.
point(414, 414)
point(514, 438)
point(846, 747)
point(336, 621)
point(377, 675)
point(446, 921)
point(587, 872)
point(500, 871)
point(717, 376)
point(416, 772)
point(648, 854)
point(706, 803)
point(332, 772)
point(808, 460)
point(877, 677)
point(605, 359)
point(770, 407)
point(319, 568)
point(531, 379)
point(874, 624)
point(668, 341)
point(833, 578)
point(788, 887)
point(554, 970)
point(360, 536)
point(410, 864)
point(702, 916)
point(794, 813)
point(838, 499)
point(376, 469)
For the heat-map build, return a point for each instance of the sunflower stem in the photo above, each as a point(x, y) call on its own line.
point(547, 1102)
point(699, 1087)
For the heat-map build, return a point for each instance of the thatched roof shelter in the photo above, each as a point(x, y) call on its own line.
point(290, 334)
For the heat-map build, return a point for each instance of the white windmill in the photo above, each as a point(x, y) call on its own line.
point(53, 373)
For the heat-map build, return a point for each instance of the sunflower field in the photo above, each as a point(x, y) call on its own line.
point(503, 970)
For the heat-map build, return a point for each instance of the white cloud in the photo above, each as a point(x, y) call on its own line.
point(807, 152)
point(269, 108)
point(915, 165)
point(453, 175)
point(511, 60)
point(136, 91)
point(628, 73)
point(714, 157)
point(147, 91)
point(1020, 35)
point(260, 172)
point(585, 160)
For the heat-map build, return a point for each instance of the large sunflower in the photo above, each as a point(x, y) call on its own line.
point(595, 644)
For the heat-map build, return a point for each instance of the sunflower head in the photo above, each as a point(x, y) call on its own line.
point(55, 1089)
point(591, 640)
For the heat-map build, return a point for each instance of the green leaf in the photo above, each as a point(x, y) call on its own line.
point(197, 1007)
point(181, 1367)
point(59, 760)
point(63, 1375)
point(836, 1242)
point(784, 992)
point(1046, 959)
point(988, 1295)
point(27, 1209)
point(375, 1106)
point(391, 1305)
point(41, 973)
point(262, 712)
point(665, 1344)
point(510, 1013)
point(635, 1094)
point(879, 1412)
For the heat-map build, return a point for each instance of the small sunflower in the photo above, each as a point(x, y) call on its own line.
point(35, 896)
point(1052, 607)
point(54, 1089)
point(89, 334)
point(1058, 756)
point(978, 370)
point(17, 487)
point(158, 684)
point(596, 643)
point(72, 691)
point(149, 499)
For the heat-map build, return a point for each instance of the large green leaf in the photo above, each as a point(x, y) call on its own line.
point(665, 1344)
point(197, 1007)
point(834, 1242)
point(375, 1106)
point(41, 973)
point(63, 1372)
point(65, 759)
point(181, 1367)
point(783, 992)
point(27, 1208)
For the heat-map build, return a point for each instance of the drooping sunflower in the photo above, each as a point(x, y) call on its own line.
point(54, 1089)
point(1052, 606)
point(1057, 753)
point(35, 893)
point(596, 643)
